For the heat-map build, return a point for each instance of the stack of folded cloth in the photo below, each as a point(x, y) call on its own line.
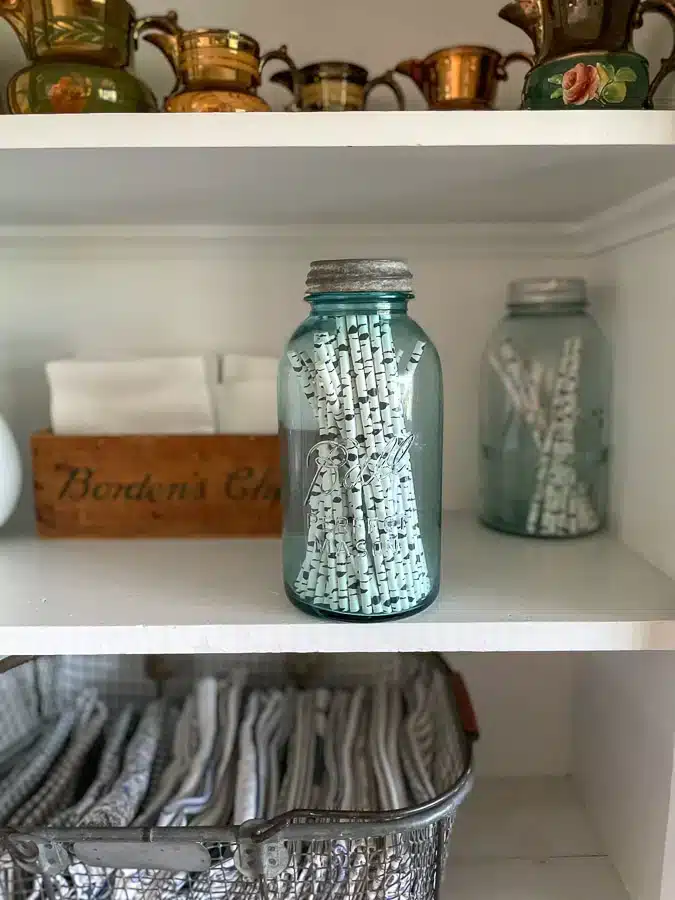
point(228, 753)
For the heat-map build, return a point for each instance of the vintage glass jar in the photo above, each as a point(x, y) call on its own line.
point(361, 416)
point(544, 409)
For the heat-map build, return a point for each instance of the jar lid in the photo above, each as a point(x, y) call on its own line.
point(532, 291)
point(356, 275)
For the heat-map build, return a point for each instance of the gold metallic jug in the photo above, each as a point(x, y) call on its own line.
point(89, 31)
point(335, 86)
point(217, 70)
point(461, 77)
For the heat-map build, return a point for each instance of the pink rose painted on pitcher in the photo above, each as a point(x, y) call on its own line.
point(580, 84)
point(601, 82)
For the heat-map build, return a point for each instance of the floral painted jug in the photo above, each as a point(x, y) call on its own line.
point(79, 52)
point(584, 57)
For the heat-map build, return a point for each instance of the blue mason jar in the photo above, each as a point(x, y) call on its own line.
point(544, 404)
point(361, 424)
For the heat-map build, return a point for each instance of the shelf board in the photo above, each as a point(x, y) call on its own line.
point(512, 128)
point(497, 593)
point(329, 168)
point(527, 839)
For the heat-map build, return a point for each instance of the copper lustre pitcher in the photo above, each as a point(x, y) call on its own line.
point(584, 52)
point(463, 77)
point(216, 69)
point(335, 86)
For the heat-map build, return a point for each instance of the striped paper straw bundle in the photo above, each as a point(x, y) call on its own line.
point(561, 504)
point(364, 553)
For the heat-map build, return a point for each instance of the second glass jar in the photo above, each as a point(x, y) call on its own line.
point(544, 403)
point(361, 415)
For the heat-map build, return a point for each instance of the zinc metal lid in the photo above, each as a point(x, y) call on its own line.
point(356, 275)
point(532, 291)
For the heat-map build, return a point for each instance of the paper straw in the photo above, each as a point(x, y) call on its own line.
point(368, 590)
point(305, 379)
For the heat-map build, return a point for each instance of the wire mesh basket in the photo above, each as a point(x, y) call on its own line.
point(299, 855)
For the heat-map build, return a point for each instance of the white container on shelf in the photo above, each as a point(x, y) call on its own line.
point(10, 472)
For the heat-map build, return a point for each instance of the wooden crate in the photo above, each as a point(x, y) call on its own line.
point(156, 486)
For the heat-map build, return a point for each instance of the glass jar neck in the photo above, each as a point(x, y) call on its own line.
point(360, 303)
point(551, 309)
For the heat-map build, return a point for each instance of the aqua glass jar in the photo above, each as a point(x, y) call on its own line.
point(544, 414)
point(361, 424)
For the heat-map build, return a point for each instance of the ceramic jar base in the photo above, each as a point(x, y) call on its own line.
point(589, 81)
point(215, 101)
point(62, 87)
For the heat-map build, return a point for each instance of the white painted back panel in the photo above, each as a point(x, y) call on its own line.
point(623, 752)
point(523, 702)
point(636, 284)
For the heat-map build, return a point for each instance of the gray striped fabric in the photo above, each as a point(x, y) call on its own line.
point(58, 789)
point(20, 712)
point(23, 780)
point(108, 769)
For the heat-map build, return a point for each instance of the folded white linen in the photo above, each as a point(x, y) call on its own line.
point(246, 400)
point(135, 396)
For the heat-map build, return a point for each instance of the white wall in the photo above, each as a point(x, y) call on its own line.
point(624, 726)
point(637, 285)
point(624, 729)
point(523, 703)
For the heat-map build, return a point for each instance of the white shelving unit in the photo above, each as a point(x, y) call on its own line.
point(141, 235)
point(331, 169)
point(497, 594)
point(528, 839)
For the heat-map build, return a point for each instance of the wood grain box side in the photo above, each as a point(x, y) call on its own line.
point(156, 486)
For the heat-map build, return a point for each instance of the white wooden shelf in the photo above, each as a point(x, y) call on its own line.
point(527, 839)
point(497, 593)
point(330, 168)
point(510, 128)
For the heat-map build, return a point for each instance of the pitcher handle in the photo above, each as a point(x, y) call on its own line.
point(505, 62)
point(282, 55)
point(166, 30)
point(665, 8)
point(387, 79)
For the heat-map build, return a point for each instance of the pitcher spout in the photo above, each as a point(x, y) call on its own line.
point(15, 12)
point(284, 78)
point(526, 15)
